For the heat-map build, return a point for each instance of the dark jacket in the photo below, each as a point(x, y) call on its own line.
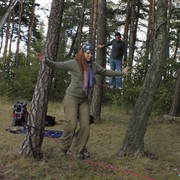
point(118, 49)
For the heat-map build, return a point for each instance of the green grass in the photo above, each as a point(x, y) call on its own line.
point(162, 139)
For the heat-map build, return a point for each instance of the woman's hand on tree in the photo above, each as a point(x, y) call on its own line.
point(100, 46)
point(126, 70)
point(41, 57)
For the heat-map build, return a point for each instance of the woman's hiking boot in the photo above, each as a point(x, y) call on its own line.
point(86, 153)
point(81, 157)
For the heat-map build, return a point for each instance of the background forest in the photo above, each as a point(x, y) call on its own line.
point(22, 36)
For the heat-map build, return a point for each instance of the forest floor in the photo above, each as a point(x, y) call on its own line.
point(162, 140)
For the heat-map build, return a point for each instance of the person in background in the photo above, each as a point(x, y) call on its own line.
point(83, 71)
point(116, 58)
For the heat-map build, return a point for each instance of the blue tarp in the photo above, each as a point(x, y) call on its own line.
point(47, 133)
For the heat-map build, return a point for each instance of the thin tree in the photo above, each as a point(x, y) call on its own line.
point(153, 17)
point(81, 24)
point(133, 144)
point(7, 39)
point(132, 28)
point(126, 27)
point(33, 140)
point(176, 44)
point(11, 7)
point(152, 26)
point(10, 40)
point(148, 39)
point(131, 50)
point(30, 27)
point(19, 32)
point(101, 34)
point(92, 40)
point(92, 31)
point(2, 38)
point(167, 73)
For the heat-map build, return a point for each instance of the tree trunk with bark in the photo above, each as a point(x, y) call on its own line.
point(92, 40)
point(31, 23)
point(131, 50)
point(126, 28)
point(19, 33)
point(32, 143)
point(11, 7)
point(148, 40)
point(175, 102)
point(176, 45)
point(7, 40)
point(101, 60)
point(137, 17)
point(168, 71)
point(81, 24)
point(10, 41)
point(2, 38)
point(92, 31)
point(132, 28)
point(152, 27)
point(133, 144)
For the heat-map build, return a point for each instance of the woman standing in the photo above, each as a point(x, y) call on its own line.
point(83, 72)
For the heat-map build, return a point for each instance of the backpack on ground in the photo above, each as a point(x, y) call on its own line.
point(50, 121)
point(20, 114)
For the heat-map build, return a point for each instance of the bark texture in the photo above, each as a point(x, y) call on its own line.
point(92, 28)
point(30, 29)
point(19, 33)
point(175, 102)
point(133, 144)
point(34, 137)
point(101, 34)
point(126, 28)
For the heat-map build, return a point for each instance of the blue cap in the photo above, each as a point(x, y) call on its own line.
point(87, 47)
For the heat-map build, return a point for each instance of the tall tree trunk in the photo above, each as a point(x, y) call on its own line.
point(148, 40)
point(126, 28)
point(132, 28)
point(137, 15)
point(152, 28)
point(177, 44)
point(92, 40)
point(7, 40)
point(153, 17)
point(19, 32)
point(2, 38)
point(176, 99)
point(169, 12)
point(31, 23)
point(133, 144)
point(11, 38)
point(81, 24)
point(34, 138)
point(168, 66)
point(101, 34)
point(131, 50)
point(12, 33)
point(92, 31)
